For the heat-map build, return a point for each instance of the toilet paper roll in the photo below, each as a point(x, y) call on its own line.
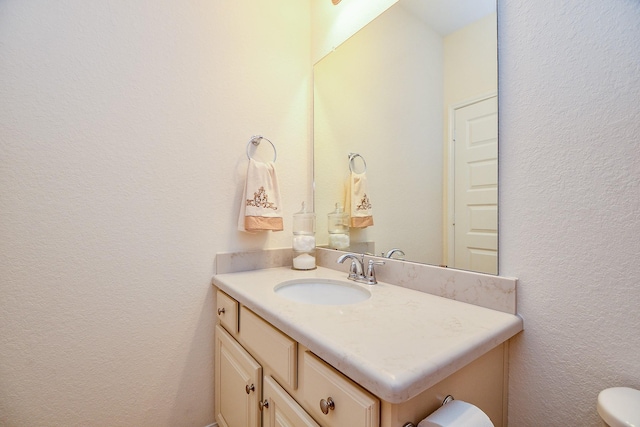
point(457, 413)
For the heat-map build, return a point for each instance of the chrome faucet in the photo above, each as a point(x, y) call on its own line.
point(356, 270)
point(390, 253)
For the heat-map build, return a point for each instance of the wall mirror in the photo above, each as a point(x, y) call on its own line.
point(414, 93)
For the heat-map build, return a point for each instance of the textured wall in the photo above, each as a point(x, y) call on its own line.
point(570, 202)
point(123, 130)
point(122, 136)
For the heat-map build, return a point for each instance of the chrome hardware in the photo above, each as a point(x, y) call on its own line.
point(355, 271)
point(371, 272)
point(393, 251)
point(446, 400)
point(326, 405)
point(249, 388)
point(220, 311)
point(255, 140)
point(264, 404)
point(352, 157)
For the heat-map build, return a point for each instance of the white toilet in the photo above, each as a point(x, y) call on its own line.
point(620, 407)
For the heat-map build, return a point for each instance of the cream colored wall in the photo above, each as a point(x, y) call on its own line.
point(123, 130)
point(333, 24)
point(124, 126)
point(470, 61)
point(470, 70)
point(570, 202)
point(362, 106)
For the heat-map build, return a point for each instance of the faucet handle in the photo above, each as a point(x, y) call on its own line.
point(371, 272)
point(353, 270)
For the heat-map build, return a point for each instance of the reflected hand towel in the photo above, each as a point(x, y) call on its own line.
point(357, 201)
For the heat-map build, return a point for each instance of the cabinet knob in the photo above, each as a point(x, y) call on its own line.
point(326, 405)
point(249, 388)
point(264, 404)
point(220, 311)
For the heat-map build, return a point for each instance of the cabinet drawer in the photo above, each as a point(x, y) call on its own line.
point(227, 312)
point(274, 349)
point(352, 405)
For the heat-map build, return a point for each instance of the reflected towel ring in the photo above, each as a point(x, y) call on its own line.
point(255, 140)
point(352, 157)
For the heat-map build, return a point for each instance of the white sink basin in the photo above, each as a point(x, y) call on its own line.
point(322, 291)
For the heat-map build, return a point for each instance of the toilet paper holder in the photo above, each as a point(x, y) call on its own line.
point(446, 400)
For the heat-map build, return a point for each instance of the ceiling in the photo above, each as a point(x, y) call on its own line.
point(447, 16)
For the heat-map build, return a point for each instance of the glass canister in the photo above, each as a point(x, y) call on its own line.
point(304, 240)
point(338, 224)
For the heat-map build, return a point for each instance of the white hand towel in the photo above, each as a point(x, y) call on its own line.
point(260, 206)
point(357, 201)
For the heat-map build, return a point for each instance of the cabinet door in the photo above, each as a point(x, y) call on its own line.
point(237, 383)
point(280, 410)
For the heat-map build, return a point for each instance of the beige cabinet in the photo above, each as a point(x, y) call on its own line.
point(227, 311)
point(265, 378)
point(334, 399)
point(281, 410)
point(270, 347)
point(243, 398)
point(238, 384)
point(262, 375)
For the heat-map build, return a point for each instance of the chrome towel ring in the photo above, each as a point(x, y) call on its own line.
point(352, 157)
point(255, 141)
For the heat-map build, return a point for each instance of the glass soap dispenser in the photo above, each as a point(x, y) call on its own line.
point(338, 224)
point(304, 240)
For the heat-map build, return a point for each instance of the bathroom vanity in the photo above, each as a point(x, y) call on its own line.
point(384, 361)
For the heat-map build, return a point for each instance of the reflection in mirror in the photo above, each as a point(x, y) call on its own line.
point(418, 102)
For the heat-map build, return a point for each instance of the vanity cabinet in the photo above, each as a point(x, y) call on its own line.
point(262, 375)
point(265, 378)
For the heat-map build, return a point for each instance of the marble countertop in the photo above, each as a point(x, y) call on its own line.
point(395, 344)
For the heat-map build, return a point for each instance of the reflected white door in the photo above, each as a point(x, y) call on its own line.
point(476, 186)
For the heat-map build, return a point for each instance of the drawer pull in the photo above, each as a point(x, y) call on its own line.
point(249, 388)
point(220, 311)
point(326, 405)
point(264, 404)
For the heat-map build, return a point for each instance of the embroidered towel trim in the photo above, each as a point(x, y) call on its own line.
point(260, 206)
point(357, 201)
